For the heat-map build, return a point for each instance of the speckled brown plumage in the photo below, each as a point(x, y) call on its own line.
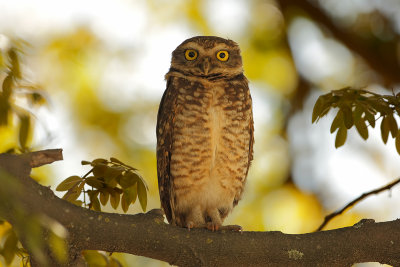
point(204, 134)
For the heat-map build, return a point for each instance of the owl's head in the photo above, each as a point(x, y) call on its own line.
point(208, 57)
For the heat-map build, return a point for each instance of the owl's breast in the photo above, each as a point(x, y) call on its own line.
point(210, 142)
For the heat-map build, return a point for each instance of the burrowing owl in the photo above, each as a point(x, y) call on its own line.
point(204, 133)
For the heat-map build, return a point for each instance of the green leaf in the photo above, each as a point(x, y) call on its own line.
point(112, 172)
point(7, 87)
point(128, 197)
point(104, 196)
point(69, 183)
point(362, 128)
point(94, 202)
point(392, 125)
point(348, 116)
point(116, 161)
point(114, 263)
point(73, 193)
point(341, 137)
point(385, 129)
point(128, 179)
point(10, 247)
point(58, 247)
point(99, 161)
point(337, 121)
point(94, 182)
point(24, 127)
point(124, 204)
point(114, 199)
point(94, 259)
point(126, 166)
point(370, 117)
point(142, 194)
point(112, 183)
point(15, 68)
point(317, 109)
point(99, 169)
point(397, 142)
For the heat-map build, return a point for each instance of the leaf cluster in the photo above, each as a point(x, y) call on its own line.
point(360, 108)
point(11, 85)
point(110, 181)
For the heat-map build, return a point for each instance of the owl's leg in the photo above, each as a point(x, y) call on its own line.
point(216, 221)
point(195, 218)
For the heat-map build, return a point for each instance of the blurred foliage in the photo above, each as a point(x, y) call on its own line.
point(111, 180)
point(359, 108)
point(15, 88)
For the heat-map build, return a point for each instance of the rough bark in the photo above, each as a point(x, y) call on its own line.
point(148, 235)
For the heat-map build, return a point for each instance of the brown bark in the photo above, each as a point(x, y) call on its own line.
point(147, 234)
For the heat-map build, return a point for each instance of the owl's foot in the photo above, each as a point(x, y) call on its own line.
point(212, 226)
point(189, 225)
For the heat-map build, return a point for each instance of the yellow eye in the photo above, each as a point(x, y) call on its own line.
point(190, 54)
point(223, 55)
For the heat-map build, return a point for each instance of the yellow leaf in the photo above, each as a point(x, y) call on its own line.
point(142, 194)
point(341, 137)
point(58, 247)
point(115, 198)
point(337, 121)
point(24, 128)
point(10, 247)
point(385, 129)
point(68, 183)
point(398, 142)
point(104, 196)
point(362, 128)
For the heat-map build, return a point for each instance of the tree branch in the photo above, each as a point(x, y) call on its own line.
point(147, 234)
point(329, 217)
point(44, 157)
point(385, 64)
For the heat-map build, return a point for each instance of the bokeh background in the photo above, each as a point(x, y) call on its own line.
point(101, 66)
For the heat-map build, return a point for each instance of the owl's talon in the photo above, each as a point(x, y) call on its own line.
point(189, 225)
point(212, 226)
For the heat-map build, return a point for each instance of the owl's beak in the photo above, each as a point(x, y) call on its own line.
point(205, 66)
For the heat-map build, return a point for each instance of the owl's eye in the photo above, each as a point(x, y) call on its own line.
point(223, 55)
point(190, 54)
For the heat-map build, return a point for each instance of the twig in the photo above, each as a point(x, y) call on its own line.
point(42, 157)
point(352, 203)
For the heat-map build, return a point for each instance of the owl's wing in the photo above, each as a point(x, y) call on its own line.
point(248, 106)
point(165, 117)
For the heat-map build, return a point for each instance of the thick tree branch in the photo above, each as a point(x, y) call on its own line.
point(147, 234)
point(381, 58)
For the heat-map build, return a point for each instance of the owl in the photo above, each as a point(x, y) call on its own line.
point(204, 133)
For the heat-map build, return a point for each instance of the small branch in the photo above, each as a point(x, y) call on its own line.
point(43, 157)
point(387, 67)
point(352, 203)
